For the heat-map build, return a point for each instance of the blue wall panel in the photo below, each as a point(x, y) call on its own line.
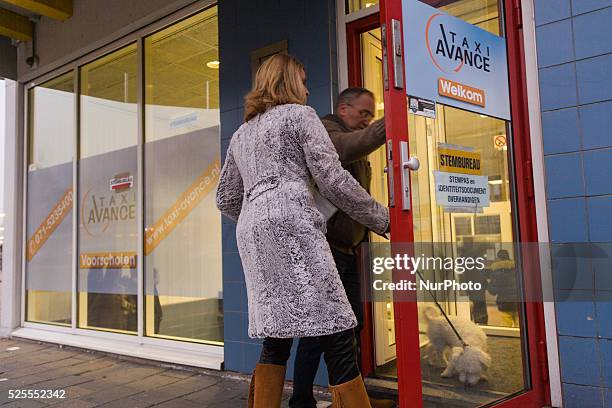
point(547, 11)
point(558, 86)
point(565, 176)
point(560, 34)
point(580, 396)
point(576, 103)
point(561, 131)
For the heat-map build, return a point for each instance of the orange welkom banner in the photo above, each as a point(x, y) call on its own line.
point(181, 208)
point(461, 92)
point(51, 222)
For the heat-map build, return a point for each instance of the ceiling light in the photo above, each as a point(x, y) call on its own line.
point(1, 215)
point(482, 116)
point(213, 64)
point(493, 182)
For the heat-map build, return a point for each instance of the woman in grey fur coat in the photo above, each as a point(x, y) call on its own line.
point(272, 165)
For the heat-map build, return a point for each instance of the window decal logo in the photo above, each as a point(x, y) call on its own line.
point(453, 52)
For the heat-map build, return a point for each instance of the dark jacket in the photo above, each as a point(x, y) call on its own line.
point(343, 233)
point(503, 284)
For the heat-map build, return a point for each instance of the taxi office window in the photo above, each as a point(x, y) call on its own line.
point(49, 203)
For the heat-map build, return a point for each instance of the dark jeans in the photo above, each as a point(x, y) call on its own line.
point(337, 349)
point(309, 350)
point(480, 314)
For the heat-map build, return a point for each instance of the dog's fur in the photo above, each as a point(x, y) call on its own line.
point(469, 362)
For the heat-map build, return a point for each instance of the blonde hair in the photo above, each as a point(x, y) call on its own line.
point(278, 81)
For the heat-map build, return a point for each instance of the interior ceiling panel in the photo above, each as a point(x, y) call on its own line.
point(175, 65)
point(176, 68)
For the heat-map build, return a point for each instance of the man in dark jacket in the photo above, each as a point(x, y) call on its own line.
point(504, 284)
point(354, 137)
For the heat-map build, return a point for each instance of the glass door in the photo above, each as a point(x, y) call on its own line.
point(449, 136)
point(382, 311)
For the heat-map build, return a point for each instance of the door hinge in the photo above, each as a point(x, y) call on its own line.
point(528, 179)
point(543, 359)
point(385, 63)
point(398, 60)
point(518, 14)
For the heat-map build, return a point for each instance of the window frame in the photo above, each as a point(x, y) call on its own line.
point(207, 355)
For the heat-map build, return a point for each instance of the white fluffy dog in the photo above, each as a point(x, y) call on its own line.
point(471, 361)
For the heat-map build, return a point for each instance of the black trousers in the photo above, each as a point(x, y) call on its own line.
point(337, 350)
point(309, 349)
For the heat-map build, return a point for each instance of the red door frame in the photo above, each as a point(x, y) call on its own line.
point(353, 41)
point(406, 318)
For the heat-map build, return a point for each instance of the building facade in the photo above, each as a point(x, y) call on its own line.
point(575, 103)
point(117, 130)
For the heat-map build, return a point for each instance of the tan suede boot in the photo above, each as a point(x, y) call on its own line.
point(382, 403)
point(266, 389)
point(351, 394)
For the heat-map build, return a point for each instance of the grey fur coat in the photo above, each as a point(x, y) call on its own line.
point(293, 287)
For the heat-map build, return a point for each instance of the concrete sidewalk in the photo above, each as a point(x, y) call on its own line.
point(92, 379)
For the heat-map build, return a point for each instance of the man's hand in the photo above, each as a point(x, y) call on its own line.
point(378, 126)
point(356, 144)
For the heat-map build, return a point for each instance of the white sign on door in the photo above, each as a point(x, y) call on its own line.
point(458, 192)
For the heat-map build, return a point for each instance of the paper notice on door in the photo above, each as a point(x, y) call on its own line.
point(459, 159)
point(458, 192)
point(422, 107)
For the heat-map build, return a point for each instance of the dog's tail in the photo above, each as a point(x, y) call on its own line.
point(431, 312)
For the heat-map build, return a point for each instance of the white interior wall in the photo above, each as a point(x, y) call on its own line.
point(53, 128)
point(2, 126)
point(109, 126)
point(10, 295)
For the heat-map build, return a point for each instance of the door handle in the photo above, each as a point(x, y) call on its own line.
point(407, 164)
point(412, 163)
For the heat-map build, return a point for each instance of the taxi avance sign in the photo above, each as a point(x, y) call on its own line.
point(453, 62)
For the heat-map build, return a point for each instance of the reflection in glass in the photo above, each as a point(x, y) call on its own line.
point(384, 330)
point(50, 201)
point(183, 284)
point(351, 6)
point(481, 13)
point(486, 233)
point(107, 279)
